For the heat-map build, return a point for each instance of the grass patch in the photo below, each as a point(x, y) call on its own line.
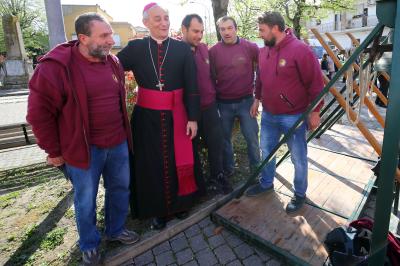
point(70, 214)
point(28, 176)
point(8, 199)
point(53, 239)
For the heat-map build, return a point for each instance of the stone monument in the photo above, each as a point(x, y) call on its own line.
point(18, 66)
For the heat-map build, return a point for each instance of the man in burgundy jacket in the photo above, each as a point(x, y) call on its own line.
point(210, 127)
point(76, 107)
point(233, 62)
point(290, 79)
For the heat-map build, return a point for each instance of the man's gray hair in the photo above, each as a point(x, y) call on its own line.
point(146, 13)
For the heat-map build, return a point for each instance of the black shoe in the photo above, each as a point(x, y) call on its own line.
point(295, 204)
point(224, 183)
point(91, 257)
point(158, 223)
point(257, 189)
point(126, 237)
point(182, 215)
point(229, 173)
point(213, 187)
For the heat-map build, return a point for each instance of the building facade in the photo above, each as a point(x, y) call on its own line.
point(359, 20)
point(123, 31)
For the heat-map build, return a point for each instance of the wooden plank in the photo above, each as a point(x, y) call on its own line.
point(338, 187)
point(292, 233)
point(347, 140)
point(3, 127)
point(336, 182)
point(16, 143)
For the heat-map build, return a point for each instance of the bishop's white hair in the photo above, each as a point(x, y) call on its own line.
point(146, 13)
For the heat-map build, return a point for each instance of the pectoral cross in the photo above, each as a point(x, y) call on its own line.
point(160, 85)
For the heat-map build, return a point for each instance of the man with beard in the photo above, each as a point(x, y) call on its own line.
point(233, 63)
point(165, 177)
point(290, 79)
point(76, 107)
point(210, 127)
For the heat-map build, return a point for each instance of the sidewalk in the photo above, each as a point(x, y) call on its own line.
point(21, 156)
point(13, 92)
point(199, 245)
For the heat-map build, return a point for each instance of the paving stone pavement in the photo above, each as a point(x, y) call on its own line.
point(198, 245)
point(13, 109)
point(21, 156)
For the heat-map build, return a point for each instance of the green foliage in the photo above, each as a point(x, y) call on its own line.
point(53, 239)
point(296, 12)
point(30, 232)
point(245, 13)
point(32, 20)
point(8, 199)
point(2, 42)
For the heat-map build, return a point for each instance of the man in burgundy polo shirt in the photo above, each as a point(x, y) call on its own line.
point(290, 79)
point(233, 61)
point(76, 107)
point(210, 127)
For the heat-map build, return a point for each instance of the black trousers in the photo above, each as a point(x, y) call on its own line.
point(383, 87)
point(210, 130)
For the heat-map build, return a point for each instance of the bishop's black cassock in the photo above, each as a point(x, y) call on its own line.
point(154, 183)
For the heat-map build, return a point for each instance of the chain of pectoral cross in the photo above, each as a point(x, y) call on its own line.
point(159, 85)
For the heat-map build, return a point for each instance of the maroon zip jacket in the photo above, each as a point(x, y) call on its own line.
point(290, 77)
point(57, 105)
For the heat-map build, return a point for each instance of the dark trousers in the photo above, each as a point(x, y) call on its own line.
point(383, 87)
point(210, 129)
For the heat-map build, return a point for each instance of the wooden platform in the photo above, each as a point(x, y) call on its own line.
point(339, 183)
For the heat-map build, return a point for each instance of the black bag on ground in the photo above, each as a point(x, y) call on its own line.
point(348, 246)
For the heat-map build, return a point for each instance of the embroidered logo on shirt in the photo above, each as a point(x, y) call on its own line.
point(115, 78)
point(282, 62)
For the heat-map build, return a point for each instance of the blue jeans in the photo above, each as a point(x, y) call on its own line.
point(248, 126)
point(113, 164)
point(272, 128)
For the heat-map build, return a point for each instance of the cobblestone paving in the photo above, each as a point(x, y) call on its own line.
point(199, 245)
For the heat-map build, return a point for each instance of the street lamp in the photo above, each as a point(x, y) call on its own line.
point(206, 23)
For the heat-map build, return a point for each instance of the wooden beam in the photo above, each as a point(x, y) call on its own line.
point(360, 125)
point(357, 43)
point(367, 102)
point(357, 67)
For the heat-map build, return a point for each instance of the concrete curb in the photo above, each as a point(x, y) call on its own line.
point(9, 93)
point(129, 252)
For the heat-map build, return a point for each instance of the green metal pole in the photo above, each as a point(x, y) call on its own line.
point(318, 131)
point(390, 149)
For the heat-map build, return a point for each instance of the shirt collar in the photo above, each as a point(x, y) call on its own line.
point(237, 41)
point(158, 40)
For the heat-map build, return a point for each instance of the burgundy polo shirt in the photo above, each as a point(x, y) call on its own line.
point(106, 126)
point(204, 81)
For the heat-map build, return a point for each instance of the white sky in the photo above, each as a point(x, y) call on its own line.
point(131, 10)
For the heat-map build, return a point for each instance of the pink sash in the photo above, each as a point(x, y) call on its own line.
point(173, 101)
